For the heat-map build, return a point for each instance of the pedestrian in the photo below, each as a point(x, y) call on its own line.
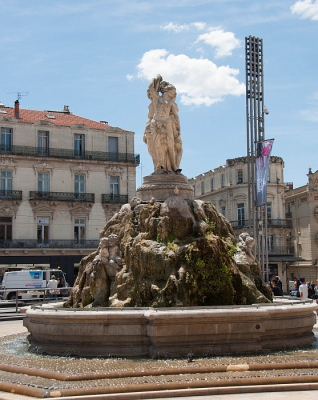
point(52, 285)
point(279, 283)
point(276, 288)
point(303, 288)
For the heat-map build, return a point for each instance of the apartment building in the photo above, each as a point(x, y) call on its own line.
point(62, 177)
point(227, 187)
point(302, 207)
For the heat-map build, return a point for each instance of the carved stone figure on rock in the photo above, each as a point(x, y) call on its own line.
point(162, 133)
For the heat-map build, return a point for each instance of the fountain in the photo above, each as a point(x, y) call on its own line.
point(169, 276)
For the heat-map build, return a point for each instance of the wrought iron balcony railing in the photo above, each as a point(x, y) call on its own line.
point(114, 198)
point(280, 223)
point(63, 196)
point(239, 224)
point(273, 223)
point(52, 244)
point(10, 194)
point(69, 153)
point(281, 251)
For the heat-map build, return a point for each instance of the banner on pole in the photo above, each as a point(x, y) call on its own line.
point(264, 149)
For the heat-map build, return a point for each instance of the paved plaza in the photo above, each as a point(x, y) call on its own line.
point(265, 392)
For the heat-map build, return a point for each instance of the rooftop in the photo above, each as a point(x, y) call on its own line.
point(60, 118)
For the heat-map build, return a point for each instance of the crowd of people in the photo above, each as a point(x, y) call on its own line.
point(302, 288)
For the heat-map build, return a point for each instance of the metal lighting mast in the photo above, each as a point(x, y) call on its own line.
point(257, 216)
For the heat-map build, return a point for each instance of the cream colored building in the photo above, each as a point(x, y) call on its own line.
point(302, 206)
point(62, 177)
point(227, 187)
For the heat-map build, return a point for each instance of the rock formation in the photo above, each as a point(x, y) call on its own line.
point(175, 253)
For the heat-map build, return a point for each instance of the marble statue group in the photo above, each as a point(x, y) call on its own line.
point(162, 132)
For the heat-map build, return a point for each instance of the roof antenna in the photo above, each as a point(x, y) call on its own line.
point(20, 94)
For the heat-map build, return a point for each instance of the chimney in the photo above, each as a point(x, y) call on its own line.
point(17, 109)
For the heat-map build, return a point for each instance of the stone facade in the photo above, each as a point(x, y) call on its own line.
point(62, 178)
point(227, 188)
point(302, 207)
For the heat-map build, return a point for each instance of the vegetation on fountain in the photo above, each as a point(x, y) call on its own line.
point(176, 253)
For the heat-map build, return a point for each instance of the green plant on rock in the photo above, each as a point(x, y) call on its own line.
point(172, 246)
point(209, 282)
point(188, 257)
point(233, 249)
point(211, 224)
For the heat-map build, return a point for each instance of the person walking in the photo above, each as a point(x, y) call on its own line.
point(303, 289)
point(52, 285)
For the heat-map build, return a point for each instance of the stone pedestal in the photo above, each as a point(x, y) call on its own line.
point(162, 185)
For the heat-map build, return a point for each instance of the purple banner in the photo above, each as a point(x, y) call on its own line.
point(264, 149)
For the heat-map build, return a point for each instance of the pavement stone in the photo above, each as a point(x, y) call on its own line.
point(14, 327)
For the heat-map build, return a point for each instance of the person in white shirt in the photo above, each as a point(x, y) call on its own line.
point(303, 289)
point(52, 284)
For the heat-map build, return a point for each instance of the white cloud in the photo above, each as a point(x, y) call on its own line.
point(185, 27)
point(224, 42)
point(306, 9)
point(129, 77)
point(310, 115)
point(198, 81)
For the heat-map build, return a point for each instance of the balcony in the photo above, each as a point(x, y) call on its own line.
point(239, 224)
point(271, 223)
point(63, 196)
point(114, 198)
point(10, 195)
point(279, 223)
point(281, 251)
point(52, 244)
point(29, 151)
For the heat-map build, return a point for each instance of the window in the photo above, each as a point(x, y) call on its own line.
point(202, 187)
point(240, 214)
point(6, 140)
point(222, 180)
point(79, 230)
point(79, 187)
point(79, 183)
point(43, 143)
point(6, 183)
point(223, 210)
point(269, 210)
point(43, 182)
point(270, 243)
point(194, 190)
point(212, 184)
point(43, 225)
point(113, 148)
point(239, 176)
point(114, 186)
point(5, 228)
point(79, 145)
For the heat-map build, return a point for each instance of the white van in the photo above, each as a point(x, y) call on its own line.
point(27, 279)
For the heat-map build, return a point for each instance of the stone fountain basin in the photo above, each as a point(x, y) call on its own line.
point(171, 332)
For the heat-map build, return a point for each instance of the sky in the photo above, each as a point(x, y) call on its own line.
point(98, 56)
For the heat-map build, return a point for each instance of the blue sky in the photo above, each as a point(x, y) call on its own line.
point(97, 56)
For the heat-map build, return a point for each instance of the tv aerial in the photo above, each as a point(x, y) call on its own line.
point(20, 94)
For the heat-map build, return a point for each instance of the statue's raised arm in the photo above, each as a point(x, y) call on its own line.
point(162, 133)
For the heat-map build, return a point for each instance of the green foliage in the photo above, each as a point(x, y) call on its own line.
point(188, 257)
point(211, 224)
point(233, 248)
point(208, 281)
point(173, 246)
